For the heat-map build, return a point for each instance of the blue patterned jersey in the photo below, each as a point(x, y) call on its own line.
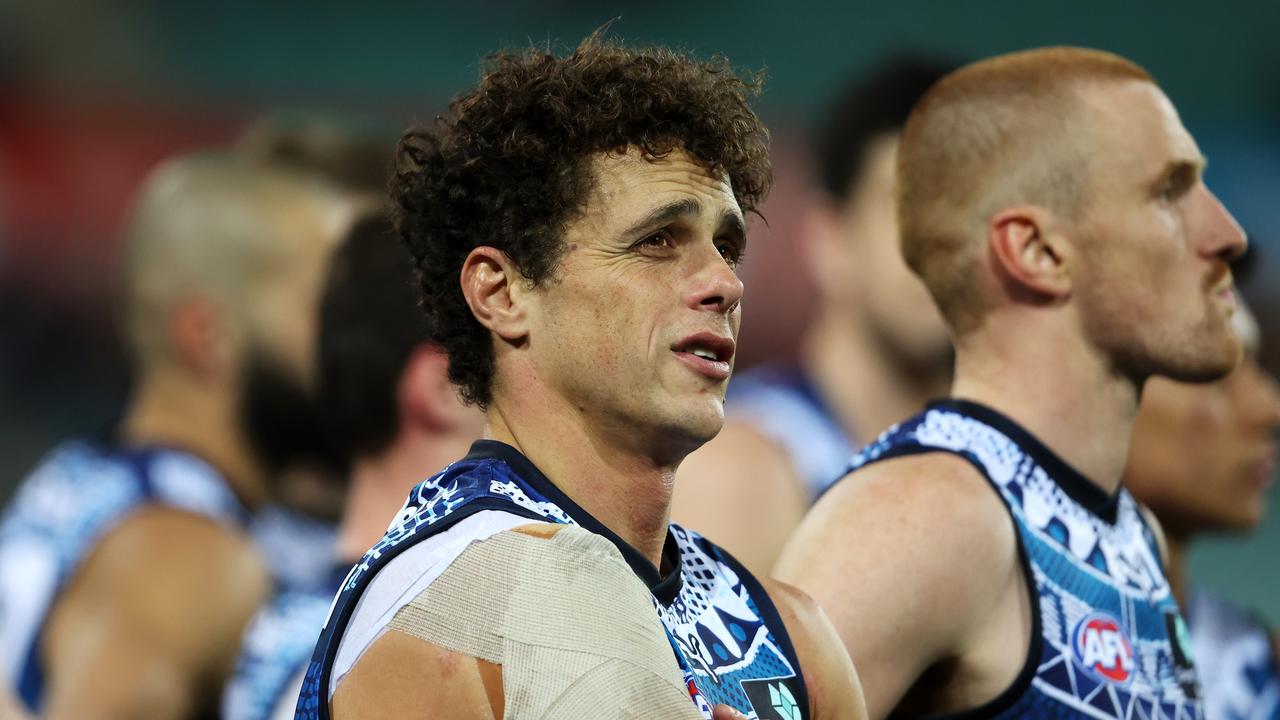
point(277, 646)
point(297, 547)
point(725, 632)
point(785, 406)
point(74, 497)
point(1238, 666)
point(1107, 638)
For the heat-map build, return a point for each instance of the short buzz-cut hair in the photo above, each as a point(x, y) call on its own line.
point(1002, 131)
point(510, 165)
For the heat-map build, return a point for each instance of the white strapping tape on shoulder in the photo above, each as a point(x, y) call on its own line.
point(573, 628)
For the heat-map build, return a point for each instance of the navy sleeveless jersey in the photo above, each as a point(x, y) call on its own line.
point(277, 646)
point(1107, 638)
point(77, 494)
point(725, 632)
point(785, 406)
point(1236, 656)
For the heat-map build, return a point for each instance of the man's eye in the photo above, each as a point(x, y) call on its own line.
point(656, 240)
point(730, 251)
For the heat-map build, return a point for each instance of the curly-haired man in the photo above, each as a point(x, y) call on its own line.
point(576, 222)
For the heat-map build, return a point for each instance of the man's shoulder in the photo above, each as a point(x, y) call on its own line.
point(931, 484)
point(931, 509)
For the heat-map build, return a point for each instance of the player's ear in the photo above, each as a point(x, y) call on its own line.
point(494, 290)
point(1030, 256)
point(424, 394)
point(200, 337)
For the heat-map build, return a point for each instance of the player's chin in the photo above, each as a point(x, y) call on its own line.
point(1212, 357)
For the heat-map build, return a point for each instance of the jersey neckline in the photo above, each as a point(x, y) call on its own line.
point(665, 588)
point(1074, 483)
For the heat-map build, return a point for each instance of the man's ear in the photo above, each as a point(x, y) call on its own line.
point(1029, 255)
point(424, 394)
point(200, 338)
point(495, 290)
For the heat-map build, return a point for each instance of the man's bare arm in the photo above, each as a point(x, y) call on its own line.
point(404, 676)
point(834, 690)
point(151, 625)
point(907, 557)
point(741, 492)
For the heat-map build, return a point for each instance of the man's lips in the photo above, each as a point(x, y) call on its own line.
point(707, 354)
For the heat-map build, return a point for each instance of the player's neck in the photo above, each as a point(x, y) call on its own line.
point(381, 483)
point(1049, 382)
point(621, 486)
point(866, 388)
point(166, 411)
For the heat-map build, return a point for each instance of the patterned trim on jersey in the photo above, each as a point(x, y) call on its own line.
point(1108, 639)
point(62, 510)
point(725, 632)
point(276, 648)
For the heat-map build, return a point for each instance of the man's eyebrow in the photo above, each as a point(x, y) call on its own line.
point(664, 214)
point(732, 224)
point(1183, 169)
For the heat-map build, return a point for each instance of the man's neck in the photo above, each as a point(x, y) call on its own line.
point(1063, 393)
point(867, 390)
point(622, 487)
point(164, 411)
point(380, 484)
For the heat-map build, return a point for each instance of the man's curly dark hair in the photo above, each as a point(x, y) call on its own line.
point(510, 165)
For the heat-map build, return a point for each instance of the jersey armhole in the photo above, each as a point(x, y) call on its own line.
point(1022, 681)
point(772, 619)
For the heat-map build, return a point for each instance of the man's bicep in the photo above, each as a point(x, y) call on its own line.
point(896, 556)
point(405, 676)
point(835, 693)
point(143, 630)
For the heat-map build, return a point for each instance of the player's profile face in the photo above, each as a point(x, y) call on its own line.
point(638, 325)
point(1156, 288)
point(878, 280)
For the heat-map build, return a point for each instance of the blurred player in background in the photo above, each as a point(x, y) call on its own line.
point(874, 354)
point(576, 222)
point(126, 574)
point(296, 530)
point(386, 393)
point(1201, 458)
point(1053, 203)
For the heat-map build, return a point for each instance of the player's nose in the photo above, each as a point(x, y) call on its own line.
point(715, 285)
point(1221, 236)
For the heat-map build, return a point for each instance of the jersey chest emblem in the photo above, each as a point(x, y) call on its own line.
point(1102, 648)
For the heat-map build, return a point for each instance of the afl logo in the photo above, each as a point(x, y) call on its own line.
point(1102, 648)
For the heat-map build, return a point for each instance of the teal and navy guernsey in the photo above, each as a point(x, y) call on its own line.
point(1107, 638)
point(79, 493)
point(725, 632)
point(276, 649)
point(1237, 659)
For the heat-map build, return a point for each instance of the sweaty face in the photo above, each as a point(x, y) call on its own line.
point(1155, 288)
point(638, 324)
point(894, 301)
point(1202, 456)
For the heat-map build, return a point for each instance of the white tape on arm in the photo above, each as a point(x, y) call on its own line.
point(573, 628)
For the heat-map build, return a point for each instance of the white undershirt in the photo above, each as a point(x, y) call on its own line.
point(406, 577)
